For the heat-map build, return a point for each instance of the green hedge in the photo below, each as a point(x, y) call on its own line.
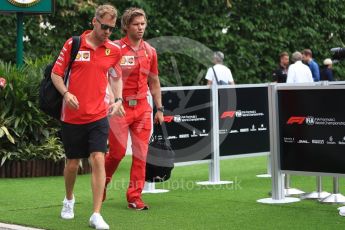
point(26, 132)
point(251, 33)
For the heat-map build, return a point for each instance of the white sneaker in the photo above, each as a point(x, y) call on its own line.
point(97, 222)
point(67, 211)
point(342, 211)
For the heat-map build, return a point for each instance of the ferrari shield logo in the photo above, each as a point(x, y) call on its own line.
point(107, 52)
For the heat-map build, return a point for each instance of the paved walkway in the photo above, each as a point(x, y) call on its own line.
point(15, 227)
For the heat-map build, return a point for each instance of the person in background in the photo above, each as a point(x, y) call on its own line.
point(219, 72)
point(314, 67)
point(280, 74)
point(139, 66)
point(85, 112)
point(298, 72)
point(326, 73)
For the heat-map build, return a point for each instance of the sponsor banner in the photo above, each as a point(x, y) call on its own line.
point(312, 130)
point(188, 121)
point(243, 120)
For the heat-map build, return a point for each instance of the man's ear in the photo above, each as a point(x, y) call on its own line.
point(126, 28)
point(93, 22)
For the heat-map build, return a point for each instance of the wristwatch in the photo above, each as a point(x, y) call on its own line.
point(161, 109)
point(118, 99)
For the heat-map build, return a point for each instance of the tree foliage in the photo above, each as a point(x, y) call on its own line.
point(251, 33)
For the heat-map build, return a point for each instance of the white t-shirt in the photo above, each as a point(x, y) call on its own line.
point(223, 73)
point(299, 73)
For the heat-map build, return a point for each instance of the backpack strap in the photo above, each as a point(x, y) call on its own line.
point(215, 75)
point(74, 51)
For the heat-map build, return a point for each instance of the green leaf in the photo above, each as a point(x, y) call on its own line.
point(3, 159)
point(17, 122)
point(45, 133)
point(8, 135)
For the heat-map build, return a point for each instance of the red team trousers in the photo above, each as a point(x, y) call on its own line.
point(137, 122)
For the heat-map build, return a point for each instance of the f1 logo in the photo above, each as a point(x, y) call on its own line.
point(168, 119)
point(229, 114)
point(297, 120)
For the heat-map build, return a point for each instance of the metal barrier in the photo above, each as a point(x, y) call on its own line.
point(306, 135)
point(335, 197)
point(206, 124)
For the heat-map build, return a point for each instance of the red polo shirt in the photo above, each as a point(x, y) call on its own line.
point(88, 78)
point(136, 65)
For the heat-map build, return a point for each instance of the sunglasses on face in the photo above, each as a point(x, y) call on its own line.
point(105, 27)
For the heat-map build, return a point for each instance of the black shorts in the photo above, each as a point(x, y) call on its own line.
point(80, 140)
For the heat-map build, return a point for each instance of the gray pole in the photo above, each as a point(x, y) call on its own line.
point(214, 165)
point(277, 176)
point(278, 192)
point(335, 185)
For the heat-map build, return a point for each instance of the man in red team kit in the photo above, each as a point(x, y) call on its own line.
point(84, 119)
point(139, 73)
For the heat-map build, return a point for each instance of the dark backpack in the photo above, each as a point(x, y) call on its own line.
point(50, 99)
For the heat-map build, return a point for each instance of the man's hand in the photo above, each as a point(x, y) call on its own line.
point(159, 118)
point(117, 109)
point(71, 101)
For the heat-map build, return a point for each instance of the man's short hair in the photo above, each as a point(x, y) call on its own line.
point(102, 10)
point(296, 56)
point(307, 52)
point(327, 61)
point(129, 15)
point(283, 54)
point(219, 56)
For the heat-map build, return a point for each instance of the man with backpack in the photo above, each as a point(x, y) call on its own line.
point(85, 111)
point(219, 72)
point(139, 74)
